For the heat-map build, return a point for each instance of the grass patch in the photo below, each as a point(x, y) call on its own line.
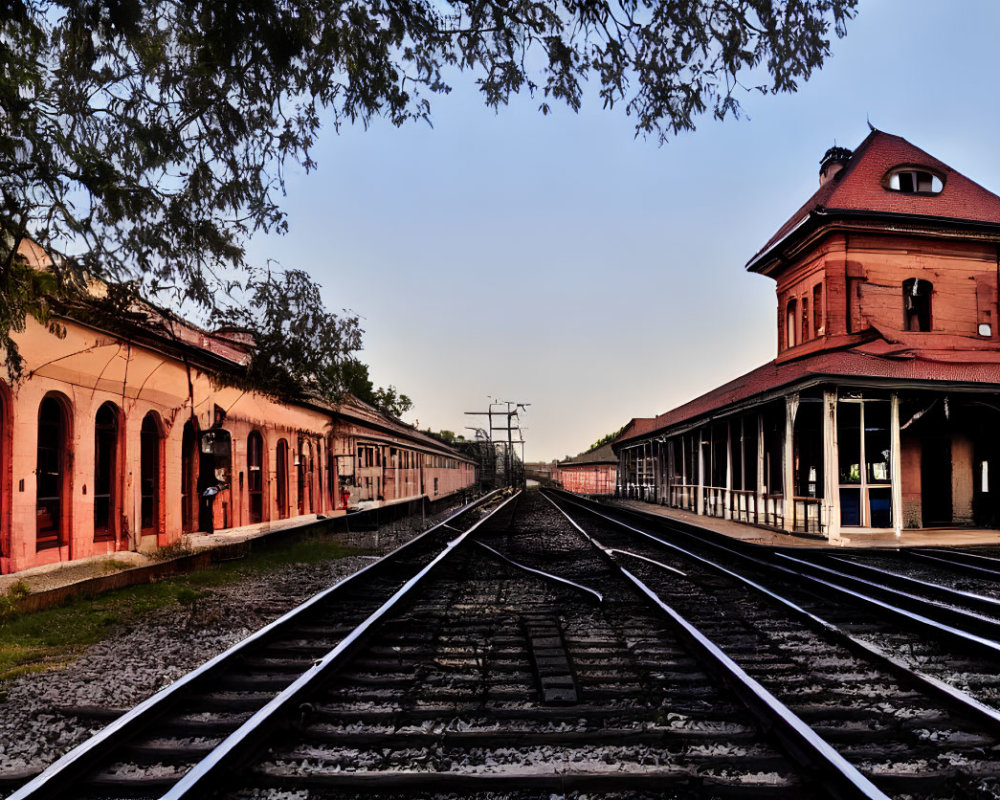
point(52, 638)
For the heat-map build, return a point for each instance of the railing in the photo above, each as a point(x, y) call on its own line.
point(773, 510)
point(743, 505)
point(639, 491)
point(715, 501)
point(807, 514)
point(684, 495)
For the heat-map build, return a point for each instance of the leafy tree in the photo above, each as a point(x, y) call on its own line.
point(147, 139)
point(298, 345)
point(609, 437)
point(446, 436)
point(353, 376)
point(393, 403)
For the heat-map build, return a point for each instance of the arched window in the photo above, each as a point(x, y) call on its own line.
point(300, 476)
point(331, 478)
point(149, 466)
point(917, 304)
point(189, 477)
point(4, 485)
point(308, 473)
point(818, 328)
point(50, 472)
point(281, 475)
point(106, 473)
point(255, 473)
point(791, 320)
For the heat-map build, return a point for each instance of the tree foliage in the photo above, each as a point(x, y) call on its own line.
point(353, 376)
point(147, 139)
point(608, 437)
point(298, 345)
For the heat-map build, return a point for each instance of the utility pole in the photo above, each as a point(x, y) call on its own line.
point(509, 411)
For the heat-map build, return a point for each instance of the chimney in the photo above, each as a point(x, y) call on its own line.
point(833, 161)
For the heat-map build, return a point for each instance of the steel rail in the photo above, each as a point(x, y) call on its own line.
point(593, 593)
point(238, 746)
point(813, 753)
point(956, 562)
point(612, 550)
point(938, 626)
point(986, 715)
point(924, 612)
point(979, 602)
point(59, 776)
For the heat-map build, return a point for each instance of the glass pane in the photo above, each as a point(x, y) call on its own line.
point(808, 455)
point(878, 447)
point(880, 505)
point(849, 441)
point(850, 506)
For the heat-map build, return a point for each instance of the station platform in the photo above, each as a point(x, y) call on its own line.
point(51, 577)
point(910, 537)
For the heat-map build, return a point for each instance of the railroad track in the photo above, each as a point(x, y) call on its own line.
point(148, 750)
point(935, 611)
point(515, 680)
point(925, 690)
point(520, 662)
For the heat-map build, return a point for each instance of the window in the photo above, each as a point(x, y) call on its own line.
point(805, 320)
point(281, 476)
point(189, 477)
point(255, 472)
point(854, 320)
point(865, 453)
point(50, 468)
point(790, 320)
point(917, 304)
point(105, 472)
point(910, 180)
point(818, 329)
point(302, 476)
point(149, 463)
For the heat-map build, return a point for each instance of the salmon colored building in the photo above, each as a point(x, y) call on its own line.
point(124, 440)
point(881, 410)
point(593, 472)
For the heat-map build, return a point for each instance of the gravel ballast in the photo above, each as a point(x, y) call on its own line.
point(139, 658)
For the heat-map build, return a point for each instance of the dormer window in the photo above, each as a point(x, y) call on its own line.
point(911, 180)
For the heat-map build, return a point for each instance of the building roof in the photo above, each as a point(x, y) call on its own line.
point(881, 357)
point(860, 187)
point(598, 455)
point(875, 361)
point(352, 409)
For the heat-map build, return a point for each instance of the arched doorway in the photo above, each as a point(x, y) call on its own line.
point(300, 476)
point(52, 483)
point(281, 476)
point(255, 476)
point(310, 476)
point(4, 478)
point(189, 476)
point(150, 466)
point(107, 513)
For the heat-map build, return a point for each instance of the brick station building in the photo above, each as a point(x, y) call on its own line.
point(882, 409)
point(593, 472)
point(121, 438)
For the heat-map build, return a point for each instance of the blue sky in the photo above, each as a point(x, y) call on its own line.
point(559, 261)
